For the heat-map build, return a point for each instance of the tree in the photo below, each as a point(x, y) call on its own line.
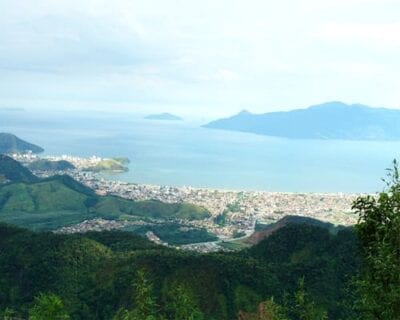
point(182, 304)
point(378, 229)
point(9, 314)
point(267, 310)
point(304, 308)
point(145, 307)
point(48, 306)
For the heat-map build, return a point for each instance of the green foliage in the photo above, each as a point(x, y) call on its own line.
point(379, 232)
point(119, 241)
point(122, 160)
point(305, 308)
point(238, 234)
point(9, 314)
point(46, 307)
point(181, 304)
point(233, 207)
point(221, 219)
point(47, 165)
point(96, 274)
point(267, 310)
point(328, 261)
point(174, 233)
point(14, 171)
point(61, 201)
point(144, 303)
point(109, 165)
point(150, 209)
point(46, 196)
point(273, 311)
point(63, 198)
point(72, 184)
point(246, 299)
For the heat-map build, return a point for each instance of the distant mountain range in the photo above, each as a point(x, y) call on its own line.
point(163, 116)
point(332, 120)
point(10, 143)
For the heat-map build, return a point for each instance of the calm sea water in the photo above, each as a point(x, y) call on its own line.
point(180, 153)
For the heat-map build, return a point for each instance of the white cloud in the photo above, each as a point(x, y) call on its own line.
point(233, 54)
point(372, 34)
point(224, 75)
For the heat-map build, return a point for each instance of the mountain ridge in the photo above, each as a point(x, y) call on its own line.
point(330, 120)
point(13, 171)
point(60, 200)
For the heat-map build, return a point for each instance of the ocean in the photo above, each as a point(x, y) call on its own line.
point(184, 154)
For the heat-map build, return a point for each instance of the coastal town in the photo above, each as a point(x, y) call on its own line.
point(239, 210)
point(242, 207)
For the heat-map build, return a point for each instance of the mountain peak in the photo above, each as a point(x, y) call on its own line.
point(244, 112)
point(330, 120)
point(330, 105)
point(13, 171)
point(10, 143)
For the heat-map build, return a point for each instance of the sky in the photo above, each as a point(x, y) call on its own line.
point(198, 58)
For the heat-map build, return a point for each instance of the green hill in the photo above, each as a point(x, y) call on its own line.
point(263, 231)
point(46, 165)
point(109, 165)
point(46, 204)
point(13, 171)
point(10, 143)
point(61, 201)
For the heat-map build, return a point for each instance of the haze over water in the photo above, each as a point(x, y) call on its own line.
point(183, 153)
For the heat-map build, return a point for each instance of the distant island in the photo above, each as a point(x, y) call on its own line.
point(10, 143)
point(12, 109)
point(163, 116)
point(332, 120)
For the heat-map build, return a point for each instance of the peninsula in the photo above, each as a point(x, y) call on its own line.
point(10, 143)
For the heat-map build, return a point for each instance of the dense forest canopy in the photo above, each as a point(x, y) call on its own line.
point(94, 274)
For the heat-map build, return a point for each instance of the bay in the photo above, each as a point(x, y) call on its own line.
point(185, 154)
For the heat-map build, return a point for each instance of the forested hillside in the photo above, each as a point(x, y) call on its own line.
point(95, 274)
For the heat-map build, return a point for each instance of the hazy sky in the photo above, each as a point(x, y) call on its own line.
point(198, 57)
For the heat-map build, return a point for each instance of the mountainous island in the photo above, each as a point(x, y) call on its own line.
point(332, 120)
point(10, 143)
point(163, 116)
